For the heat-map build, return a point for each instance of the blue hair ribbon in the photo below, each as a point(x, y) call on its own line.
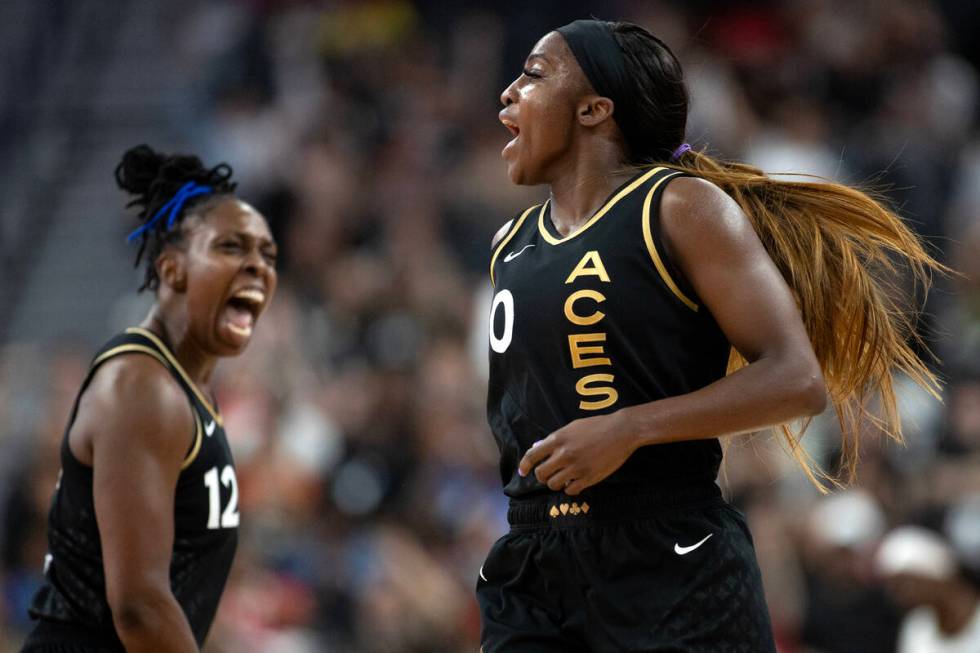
point(175, 205)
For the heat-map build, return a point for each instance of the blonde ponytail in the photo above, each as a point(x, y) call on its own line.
point(849, 260)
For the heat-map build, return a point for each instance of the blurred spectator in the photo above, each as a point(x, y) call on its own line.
point(846, 609)
point(922, 573)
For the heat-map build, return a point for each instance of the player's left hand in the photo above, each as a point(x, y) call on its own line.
point(581, 453)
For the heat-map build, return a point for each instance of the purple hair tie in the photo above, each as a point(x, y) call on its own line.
point(679, 151)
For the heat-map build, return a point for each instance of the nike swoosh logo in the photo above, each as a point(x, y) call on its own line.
point(482, 576)
point(510, 257)
point(684, 550)
point(209, 428)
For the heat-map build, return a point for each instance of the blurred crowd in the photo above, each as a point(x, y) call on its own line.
point(366, 132)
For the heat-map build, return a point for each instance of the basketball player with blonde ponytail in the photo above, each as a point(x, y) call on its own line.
point(658, 301)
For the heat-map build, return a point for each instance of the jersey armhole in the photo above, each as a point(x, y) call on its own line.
point(668, 272)
point(506, 239)
point(128, 348)
point(195, 447)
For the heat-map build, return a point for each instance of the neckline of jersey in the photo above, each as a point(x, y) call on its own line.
point(155, 339)
point(550, 233)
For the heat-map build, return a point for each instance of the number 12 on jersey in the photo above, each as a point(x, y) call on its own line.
point(217, 518)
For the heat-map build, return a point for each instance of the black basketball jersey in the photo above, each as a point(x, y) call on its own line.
point(593, 322)
point(205, 518)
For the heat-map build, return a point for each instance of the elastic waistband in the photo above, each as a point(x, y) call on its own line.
point(600, 505)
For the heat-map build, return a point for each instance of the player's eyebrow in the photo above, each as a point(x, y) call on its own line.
point(537, 55)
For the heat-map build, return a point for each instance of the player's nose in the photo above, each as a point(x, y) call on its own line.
point(509, 96)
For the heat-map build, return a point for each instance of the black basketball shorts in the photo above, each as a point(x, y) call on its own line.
point(610, 572)
point(58, 637)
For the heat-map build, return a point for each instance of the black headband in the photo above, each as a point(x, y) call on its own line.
point(601, 59)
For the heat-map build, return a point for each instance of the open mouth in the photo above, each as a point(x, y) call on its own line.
point(242, 311)
point(515, 132)
point(511, 127)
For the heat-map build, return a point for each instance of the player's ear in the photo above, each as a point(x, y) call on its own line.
point(171, 269)
point(595, 109)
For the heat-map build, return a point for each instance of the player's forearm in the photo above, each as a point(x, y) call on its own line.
point(767, 392)
point(153, 622)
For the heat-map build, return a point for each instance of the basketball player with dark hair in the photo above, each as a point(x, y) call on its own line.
point(659, 300)
point(143, 524)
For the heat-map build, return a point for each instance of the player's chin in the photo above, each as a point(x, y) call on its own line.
point(230, 341)
point(514, 173)
point(519, 174)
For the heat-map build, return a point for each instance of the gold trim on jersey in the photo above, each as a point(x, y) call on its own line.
point(506, 239)
point(636, 183)
point(143, 349)
point(180, 370)
point(197, 442)
point(652, 248)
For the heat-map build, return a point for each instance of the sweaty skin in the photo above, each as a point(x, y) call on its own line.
point(134, 424)
point(578, 153)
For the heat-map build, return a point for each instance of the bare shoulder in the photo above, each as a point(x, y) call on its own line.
point(138, 379)
point(134, 401)
point(695, 214)
point(497, 237)
point(693, 199)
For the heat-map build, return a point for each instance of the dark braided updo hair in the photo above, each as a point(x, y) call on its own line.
point(154, 179)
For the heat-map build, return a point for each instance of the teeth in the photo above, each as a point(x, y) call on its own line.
point(251, 295)
point(242, 331)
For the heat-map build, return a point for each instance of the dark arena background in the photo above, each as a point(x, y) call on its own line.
point(366, 132)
